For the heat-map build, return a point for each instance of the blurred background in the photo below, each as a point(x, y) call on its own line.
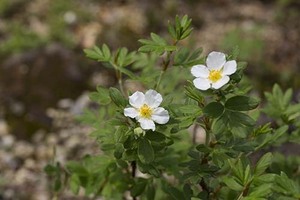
point(45, 77)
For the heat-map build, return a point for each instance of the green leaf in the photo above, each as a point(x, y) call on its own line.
point(51, 169)
point(189, 109)
point(213, 109)
point(247, 175)
point(203, 148)
point(241, 103)
point(237, 169)
point(57, 184)
point(150, 192)
point(261, 191)
point(157, 44)
point(175, 193)
point(157, 39)
point(106, 52)
point(181, 29)
point(235, 52)
point(237, 118)
point(264, 178)
point(122, 58)
point(218, 126)
point(286, 186)
point(232, 184)
point(102, 55)
point(193, 93)
point(127, 72)
point(119, 149)
point(75, 183)
point(155, 136)
point(181, 56)
point(101, 96)
point(76, 168)
point(139, 187)
point(263, 164)
point(187, 191)
point(117, 97)
point(145, 151)
point(184, 57)
point(94, 53)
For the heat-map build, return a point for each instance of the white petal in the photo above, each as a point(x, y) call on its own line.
point(202, 83)
point(131, 112)
point(137, 99)
point(147, 124)
point(160, 115)
point(215, 60)
point(229, 67)
point(153, 99)
point(220, 82)
point(200, 71)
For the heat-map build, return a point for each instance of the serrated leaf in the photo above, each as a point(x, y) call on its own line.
point(157, 45)
point(241, 103)
point(145, 151)
point(94, 53)
point(157, 39)
point(261, 191)
point(121, 56)
point(263, 164)
point(194, 94)
point(265, 178)
point(97, 54)
point(232, 184)
point(106, 52)
point(247, 175)
point(101, 96)
point(286, 186)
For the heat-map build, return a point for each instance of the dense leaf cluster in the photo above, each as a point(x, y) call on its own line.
point(171, 162)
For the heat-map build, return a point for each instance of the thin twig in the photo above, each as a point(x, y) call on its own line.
point(133, 173)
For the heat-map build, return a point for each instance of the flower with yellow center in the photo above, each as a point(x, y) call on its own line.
point(215, 74)
point(145, 109)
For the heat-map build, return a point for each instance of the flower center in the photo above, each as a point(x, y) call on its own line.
point(145, 111)
point(215, 75)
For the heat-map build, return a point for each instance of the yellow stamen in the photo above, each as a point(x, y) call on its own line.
point(145, 111)
point(215, 75)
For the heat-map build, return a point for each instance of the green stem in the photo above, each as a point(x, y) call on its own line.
point(120, 81)
point(207, 137)
point(159, 79)
point(166, 64)
point(119, 78)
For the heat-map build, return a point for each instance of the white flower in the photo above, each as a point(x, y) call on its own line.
point(216, 74)
point(145, 109)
